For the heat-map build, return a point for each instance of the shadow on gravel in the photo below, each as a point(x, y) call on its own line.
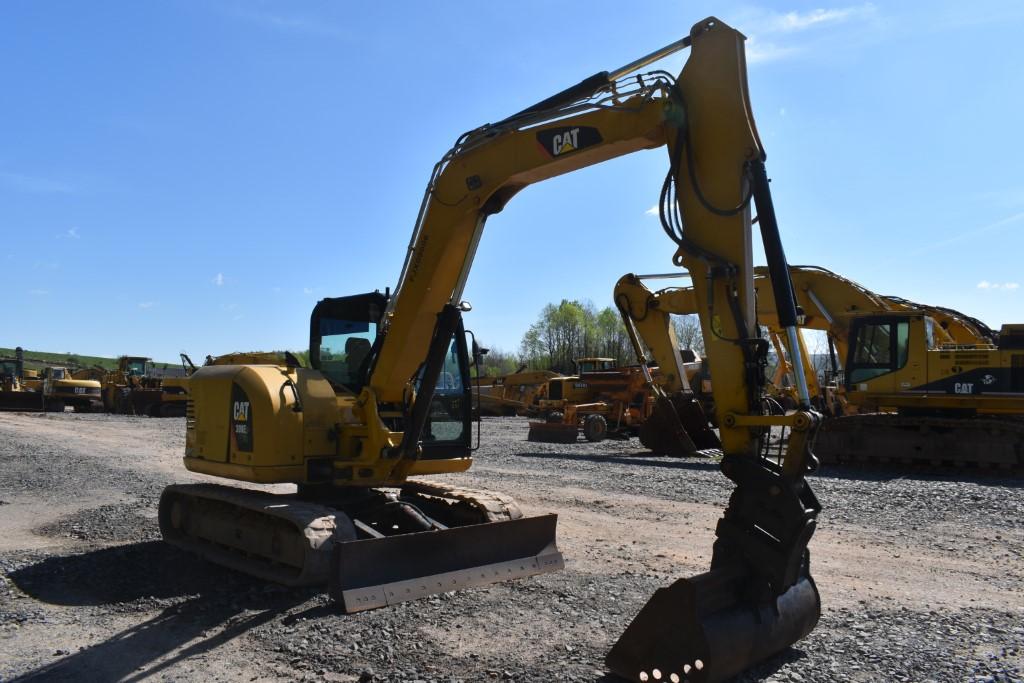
point(122, 574)
point(196, 597)
point(641, 458)
point(894, 473)
point(849, 472)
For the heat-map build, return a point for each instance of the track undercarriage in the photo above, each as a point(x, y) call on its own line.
point(374, 547)
point(983, 442)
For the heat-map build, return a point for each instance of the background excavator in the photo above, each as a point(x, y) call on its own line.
point(50, 389)
point(911, 382)
point(388, 395)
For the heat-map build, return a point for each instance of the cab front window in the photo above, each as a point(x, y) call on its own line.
point(880, 346)
point(345, 351)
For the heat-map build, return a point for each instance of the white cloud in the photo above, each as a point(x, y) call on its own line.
point(307, 290)
point(797, 21)
point(759, 53)
point(985, 284)
point(218, 279)
point(773, 36)
point(147, 304)
point(653, 211)
point(238, 317)
point(38, 292)
point(73, 233)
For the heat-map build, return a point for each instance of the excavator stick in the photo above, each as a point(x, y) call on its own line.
point(380, 572)
point(703, 630)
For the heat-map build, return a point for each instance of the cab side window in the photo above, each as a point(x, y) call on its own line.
point(880, 347)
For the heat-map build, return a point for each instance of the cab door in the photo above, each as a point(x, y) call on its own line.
point(879, 347)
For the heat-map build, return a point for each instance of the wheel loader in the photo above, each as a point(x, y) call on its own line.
point(132, 389)
point(387, 397)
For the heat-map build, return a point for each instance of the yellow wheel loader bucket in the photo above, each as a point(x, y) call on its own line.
point(552, 432)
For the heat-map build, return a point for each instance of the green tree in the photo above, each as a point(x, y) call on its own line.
point(572, 330)
point(688, 333)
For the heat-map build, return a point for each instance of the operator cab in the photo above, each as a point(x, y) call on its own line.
point(343, 344)
point(342, 333)
point(880, 345)
point(585, 365)
point(136, 367)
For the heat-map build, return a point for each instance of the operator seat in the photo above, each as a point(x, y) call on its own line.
point(356, 351)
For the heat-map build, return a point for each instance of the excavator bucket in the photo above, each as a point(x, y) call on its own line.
point(678, 427)
point(704, 629)
point(377, 572)
point(552, 432)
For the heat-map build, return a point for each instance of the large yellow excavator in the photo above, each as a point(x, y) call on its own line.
point(387, 397)
point(918, 382)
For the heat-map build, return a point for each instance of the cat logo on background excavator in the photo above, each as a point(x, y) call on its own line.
point(565, 139)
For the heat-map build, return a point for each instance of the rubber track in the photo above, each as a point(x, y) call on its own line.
point(497, 507)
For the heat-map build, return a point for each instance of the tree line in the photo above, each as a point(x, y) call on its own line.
point(575, 329)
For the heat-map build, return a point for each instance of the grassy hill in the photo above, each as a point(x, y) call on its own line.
point(35, 360)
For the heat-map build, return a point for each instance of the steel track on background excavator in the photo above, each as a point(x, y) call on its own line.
point(281, 538)
point(988, 443)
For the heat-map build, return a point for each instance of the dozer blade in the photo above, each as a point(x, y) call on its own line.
point(22, 401)
point(552, 432)
point(703, 630)
point(377, 572)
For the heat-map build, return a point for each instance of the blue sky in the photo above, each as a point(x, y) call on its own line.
point(194, 176)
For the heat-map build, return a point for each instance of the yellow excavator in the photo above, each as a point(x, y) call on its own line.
point(917, 383)
point(387, 398)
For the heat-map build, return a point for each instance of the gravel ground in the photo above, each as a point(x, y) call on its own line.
point(922, 577)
